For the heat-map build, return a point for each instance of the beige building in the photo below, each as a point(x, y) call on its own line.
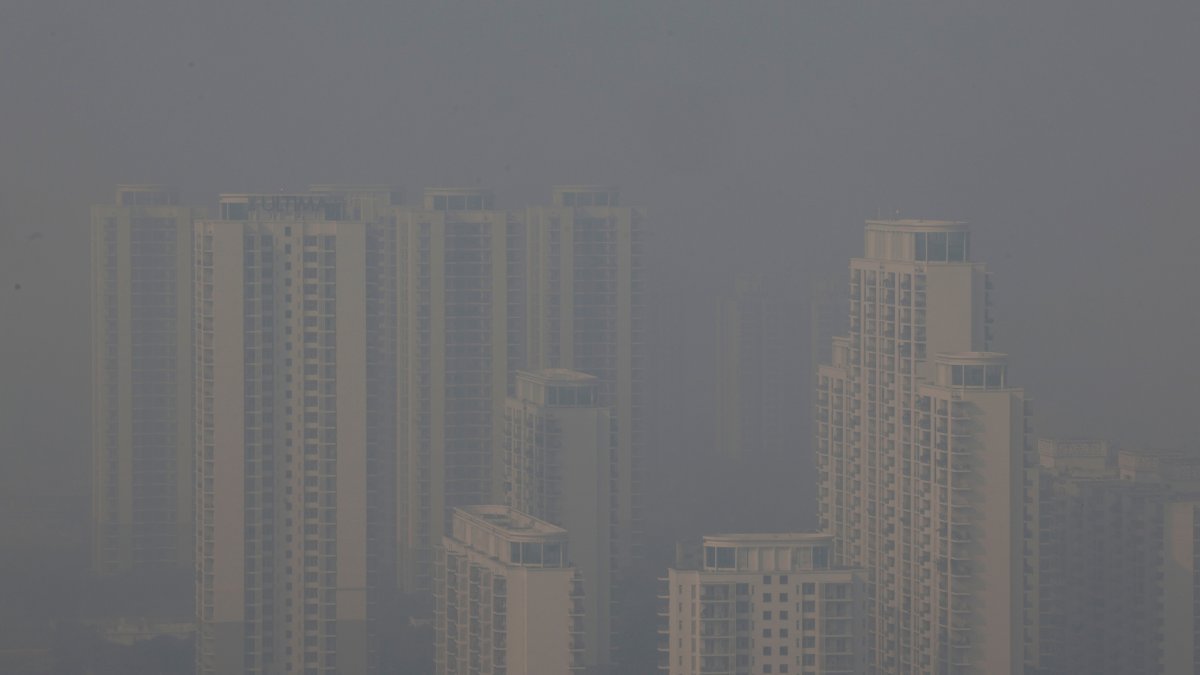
point(560, 467)
point(1117, 559)
point(508, 600)
point(142, 381)
point(763, 603)
point(586, 291)
point(460, 338)
point(922, 457)
point(752, 402)
point(281, 437)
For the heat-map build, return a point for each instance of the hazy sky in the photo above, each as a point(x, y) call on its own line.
point(757, 135)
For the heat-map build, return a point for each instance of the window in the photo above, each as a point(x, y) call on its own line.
point(958, 246)
point(937, 246)
point(766, 580)
point(766, 651)
point(809, 588)
point(783, 615)
point(766, 668)
point(810, 606)
point(766, 597)
point(766, 616)
point(783, 597)
point(783, 579)
point(766, 632)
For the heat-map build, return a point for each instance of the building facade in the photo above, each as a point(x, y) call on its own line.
point(460, 338)
point(1116, 559)
point(142, 381)
point(586, 291)
point(508, 600)
point(282, 437)
point(561, 467)
point(923, 460)
point(763, 603)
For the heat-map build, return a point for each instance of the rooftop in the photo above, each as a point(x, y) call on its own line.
point(918, 223)
point(507, 521)
point(767, 538)
point(557, 376)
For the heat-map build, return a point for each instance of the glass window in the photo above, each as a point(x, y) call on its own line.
point(766, 579)
point(552, 555)
point(956, 375)
point(820, 558)
point(531, 553)
point(937, 246)
point(958, 247)
point(514, 552)
point(973, 376)
point(995, 377)
point(919, 246)
point(710, 552)
point(725, 557)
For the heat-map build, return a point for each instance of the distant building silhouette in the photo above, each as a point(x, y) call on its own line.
point(1117, 559)
point(752, 400)
point(460, 340)
point(763, 603)
point(142, 486)
point(587, 295)
point(508, 599)
point(925, 473)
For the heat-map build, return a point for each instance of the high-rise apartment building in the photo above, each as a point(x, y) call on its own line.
point(560, 467)
point(751, 403)
point(508, 600)
point(142, 381)
point(586, 291)
point(281, 402)
point(460, 339)
point(763, 603)
point(923, 457)
point(1116, 558)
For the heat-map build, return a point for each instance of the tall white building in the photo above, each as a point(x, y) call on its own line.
point(142, 381)
point(460, 338)
point(560, 467)
point(508, 600)
point(763, 603)
point(587, 291)
point(926, 479)
point(282, 434)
